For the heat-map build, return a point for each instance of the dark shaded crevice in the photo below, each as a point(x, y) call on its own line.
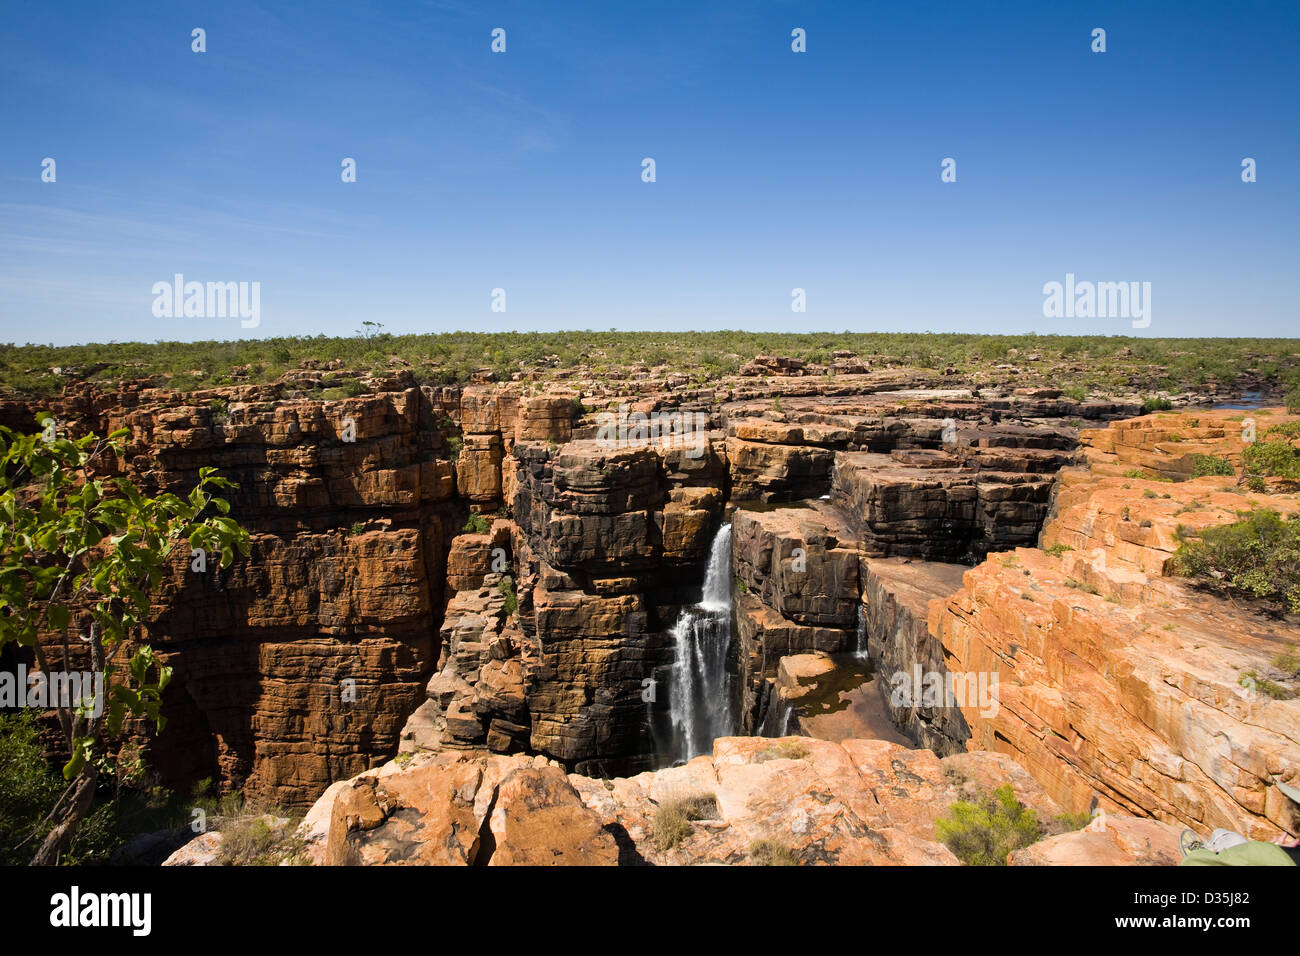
point(487, 841)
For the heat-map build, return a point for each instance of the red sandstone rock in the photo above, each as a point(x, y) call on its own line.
point(860, 801)
point(1119, 683)
point(1108, 841)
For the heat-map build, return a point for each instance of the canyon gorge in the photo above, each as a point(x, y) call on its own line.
point(475, 627)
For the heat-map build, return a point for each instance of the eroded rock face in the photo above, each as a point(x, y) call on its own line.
point(1118, 681)
point(944, 480)
point(797, 592)
point(300, 665)
point(297, 666)
point(1108, 841)
point(830, 697)
point(793, 563)
point(934, 506)
point(777, 472)
point(896, 598)
point(368, 614)
point(611, 541)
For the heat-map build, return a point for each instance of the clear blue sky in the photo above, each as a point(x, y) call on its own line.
point(523, 170)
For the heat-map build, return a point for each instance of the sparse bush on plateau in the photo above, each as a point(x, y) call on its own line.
point(1258, 556)
point(983, 831)
point(1274, 455)
point(1203, 465)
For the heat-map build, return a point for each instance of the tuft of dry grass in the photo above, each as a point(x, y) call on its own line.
point(771, 853)
point(674, 817)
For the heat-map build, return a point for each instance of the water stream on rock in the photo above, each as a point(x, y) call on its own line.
point(700, 692)
point(860, 644)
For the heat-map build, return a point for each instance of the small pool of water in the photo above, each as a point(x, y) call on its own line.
point(847, 702)
point(1247, 401)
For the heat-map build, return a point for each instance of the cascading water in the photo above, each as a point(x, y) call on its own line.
point(700, 694)
point(860, 644)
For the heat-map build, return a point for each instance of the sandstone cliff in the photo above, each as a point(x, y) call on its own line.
point(1119, 682)
point(374, 615)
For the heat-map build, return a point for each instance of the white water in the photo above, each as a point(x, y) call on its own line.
point(700, 694)
point(860, 645)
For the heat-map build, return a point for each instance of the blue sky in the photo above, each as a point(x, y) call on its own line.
point(522, 170)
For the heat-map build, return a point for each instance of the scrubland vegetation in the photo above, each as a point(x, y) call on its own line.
point(1081, 364)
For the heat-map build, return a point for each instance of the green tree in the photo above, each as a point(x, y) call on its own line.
point(79, 554)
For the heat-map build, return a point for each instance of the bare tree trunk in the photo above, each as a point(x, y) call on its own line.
point(82, 797)
point(57, 840)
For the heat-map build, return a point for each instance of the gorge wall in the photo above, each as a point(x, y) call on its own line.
point(370, 618)
point(1119, 682)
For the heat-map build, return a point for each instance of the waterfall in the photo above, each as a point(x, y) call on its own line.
point(861, 644)
point(700, 694)
point(778, 719)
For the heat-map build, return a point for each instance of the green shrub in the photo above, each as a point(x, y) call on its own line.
point(477, 524)
point(1110, 364)
point(28, 788)
point(507, 589)
point(983, 831)
point(1203, 465)
point(1274, 455)
point(1155, 403)
point(1066, 822)
point(1252, 680)
point(1259, 556)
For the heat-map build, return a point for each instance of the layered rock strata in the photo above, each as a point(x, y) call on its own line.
point(368, 600)
point(1120, 683)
